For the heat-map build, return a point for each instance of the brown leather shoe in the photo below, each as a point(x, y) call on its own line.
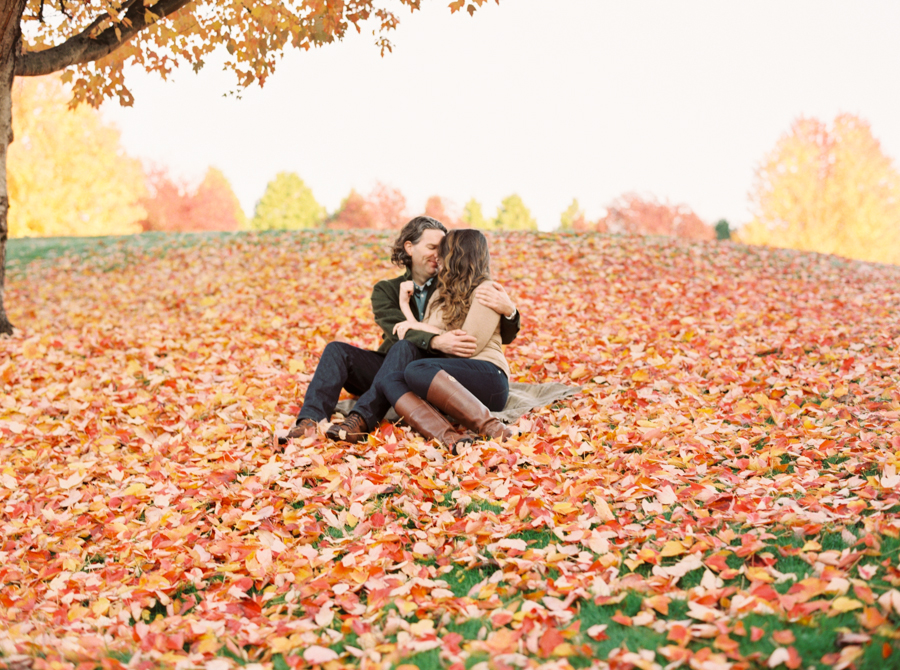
point(429, 422)
point(303, 428)
point(455, 400)
point(352, 429)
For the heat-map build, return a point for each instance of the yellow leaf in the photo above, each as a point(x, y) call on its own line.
point(756, 574)
point(134, 489)
point(672, 548)
point(76, 612)
point(845, 604)
point(564, 649)
point(208, 644)
point(100, 607)
point(640, 376)
point(603, 510)
point(487, 591)
point(280, 645)
point(564, 508)
point(578, 372)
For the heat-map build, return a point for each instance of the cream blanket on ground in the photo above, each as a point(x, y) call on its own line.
point(522, 398)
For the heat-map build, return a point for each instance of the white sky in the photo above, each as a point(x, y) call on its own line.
point(680, 99)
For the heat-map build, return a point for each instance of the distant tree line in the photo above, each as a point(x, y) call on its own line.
point(70, 176)
point(639, 215)
point(826, 189)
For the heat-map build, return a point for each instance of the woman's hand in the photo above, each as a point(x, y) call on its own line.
point(403, 327)
point(406, 291)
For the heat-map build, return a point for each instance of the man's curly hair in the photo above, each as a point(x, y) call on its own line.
point(412, 232)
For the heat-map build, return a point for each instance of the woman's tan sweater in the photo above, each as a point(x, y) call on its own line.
point(483, 324)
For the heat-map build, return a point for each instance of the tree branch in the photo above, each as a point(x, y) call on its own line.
point(85, 48)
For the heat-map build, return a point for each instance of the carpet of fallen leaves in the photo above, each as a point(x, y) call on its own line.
point(722, 494)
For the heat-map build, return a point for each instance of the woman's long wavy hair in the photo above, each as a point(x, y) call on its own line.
point(465, 263)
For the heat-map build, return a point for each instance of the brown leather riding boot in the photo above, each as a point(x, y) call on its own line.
point(428, 421)
point(455, 400)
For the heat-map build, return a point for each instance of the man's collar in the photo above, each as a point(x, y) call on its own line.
point(423, 286)
point(408, 275)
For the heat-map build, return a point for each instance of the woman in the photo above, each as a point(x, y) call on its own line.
point(467, 389)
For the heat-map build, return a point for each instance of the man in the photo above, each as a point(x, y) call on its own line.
point(345, 366)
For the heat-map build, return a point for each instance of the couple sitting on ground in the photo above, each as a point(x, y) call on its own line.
point(444, 321)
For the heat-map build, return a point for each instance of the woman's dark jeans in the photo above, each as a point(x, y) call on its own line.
point(484, 380)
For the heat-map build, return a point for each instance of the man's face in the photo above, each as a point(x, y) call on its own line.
point(424, 253)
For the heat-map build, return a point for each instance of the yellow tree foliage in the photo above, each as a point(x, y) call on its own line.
point(828, 190)
point(67, 172)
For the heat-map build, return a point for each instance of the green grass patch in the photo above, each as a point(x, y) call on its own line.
point(535, 539)
point(634, 637)
point(113, 252)
point(462, 578)
point(812, 641)
point(483, 506)
point(424, 660)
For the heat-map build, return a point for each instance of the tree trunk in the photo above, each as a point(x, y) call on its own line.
point(10, 44)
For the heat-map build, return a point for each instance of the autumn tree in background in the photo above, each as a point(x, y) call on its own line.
point(217, 206)
point(172, 206)
point(444, 211)
point(287, 204)
point(473, 217)
point(354, 213)
point(168, 202)
point(67, 173)
point(383, 209)
point(94, 41)
point(638, 215)
point(828, 190)
point(514, 215)
point(572, 218)
point(388, 206)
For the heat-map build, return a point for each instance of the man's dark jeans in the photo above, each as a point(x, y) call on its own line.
point(357, 370)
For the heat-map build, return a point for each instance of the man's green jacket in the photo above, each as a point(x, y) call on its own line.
point(386, 307)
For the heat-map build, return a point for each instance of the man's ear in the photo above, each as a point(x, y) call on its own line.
point(407, 247)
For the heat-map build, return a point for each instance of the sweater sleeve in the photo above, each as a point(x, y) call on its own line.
point(509, 328)
point(481, 322)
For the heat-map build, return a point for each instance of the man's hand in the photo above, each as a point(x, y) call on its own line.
point(455, 343)
point(493, 295)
